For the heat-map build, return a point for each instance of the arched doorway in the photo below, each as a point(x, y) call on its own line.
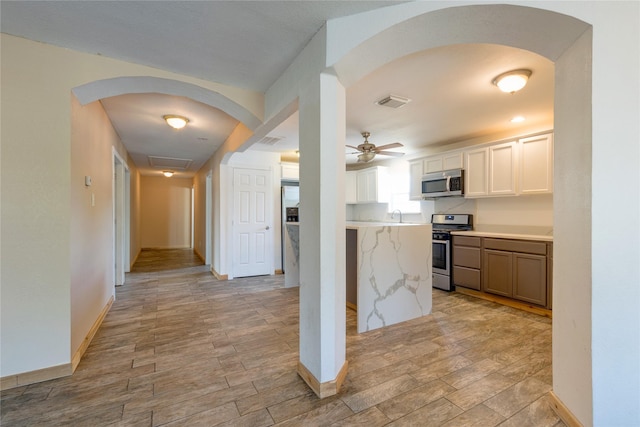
point(568, 43)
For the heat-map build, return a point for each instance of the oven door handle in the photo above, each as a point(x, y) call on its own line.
point(448, 183)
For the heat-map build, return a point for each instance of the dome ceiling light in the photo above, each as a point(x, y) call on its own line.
point(512, 81)
point(176, 122)
point(168, 174)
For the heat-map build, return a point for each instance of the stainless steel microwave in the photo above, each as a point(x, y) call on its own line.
point(443, 184)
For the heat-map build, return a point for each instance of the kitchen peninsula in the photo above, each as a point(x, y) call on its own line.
point(388, 270)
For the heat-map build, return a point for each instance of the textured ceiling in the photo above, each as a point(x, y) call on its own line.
point(248, 44)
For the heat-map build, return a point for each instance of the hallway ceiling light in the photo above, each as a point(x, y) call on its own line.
point(512, 81)
point(168, 174)
point(176, 122)
point(517, 119)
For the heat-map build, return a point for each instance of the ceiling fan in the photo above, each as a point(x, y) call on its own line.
point(368, 150)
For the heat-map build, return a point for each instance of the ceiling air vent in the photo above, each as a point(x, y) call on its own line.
point(269, 140)
point(393, 101)
point(169, 162)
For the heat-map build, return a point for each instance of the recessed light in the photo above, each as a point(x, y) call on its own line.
point(517, 119)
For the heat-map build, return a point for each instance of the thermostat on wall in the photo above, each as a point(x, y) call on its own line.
point(87, 181)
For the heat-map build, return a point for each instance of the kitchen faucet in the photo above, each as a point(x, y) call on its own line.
point(399, 213)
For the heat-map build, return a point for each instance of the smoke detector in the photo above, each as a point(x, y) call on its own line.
point(393, 101)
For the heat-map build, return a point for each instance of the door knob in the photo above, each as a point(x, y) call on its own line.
point(267, 227)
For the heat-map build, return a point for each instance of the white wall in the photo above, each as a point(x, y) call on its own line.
point(36, 244)
point(92, 271)
point(165, 212)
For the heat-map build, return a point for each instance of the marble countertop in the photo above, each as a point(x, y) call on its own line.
point(544, 234)
point(354, 225)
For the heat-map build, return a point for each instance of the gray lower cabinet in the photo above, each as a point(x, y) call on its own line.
point(467, 262)
point(517, 269)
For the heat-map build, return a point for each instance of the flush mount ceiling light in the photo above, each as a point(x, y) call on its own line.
point(512, 81)
point(176, 122)
point(517, 119)
point(168, 174)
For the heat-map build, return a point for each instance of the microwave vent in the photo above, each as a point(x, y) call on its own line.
point(393, 101)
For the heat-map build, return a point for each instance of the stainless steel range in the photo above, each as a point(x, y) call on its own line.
point(443, 225)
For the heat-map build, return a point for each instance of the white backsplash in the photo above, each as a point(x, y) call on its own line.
point(533, 210)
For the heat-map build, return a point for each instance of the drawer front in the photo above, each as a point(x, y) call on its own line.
point(466, 277)
point(523, 246)
point(466, 257)
point(466, 241)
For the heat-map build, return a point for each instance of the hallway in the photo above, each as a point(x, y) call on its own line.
point(182, 348)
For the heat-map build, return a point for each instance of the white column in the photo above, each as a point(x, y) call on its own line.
point(322, 235)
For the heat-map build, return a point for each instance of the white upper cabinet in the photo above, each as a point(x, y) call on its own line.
point(502, 169)
point(415, 185)
point(476, 178)
point(372, 185)
point(523, 166)
point(491, 171)
point(443, 162)
point(290, 171)
point(350, 192)
point(536, 164)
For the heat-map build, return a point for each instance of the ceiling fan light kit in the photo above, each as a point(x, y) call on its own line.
point(512, 81)
point(176, 122)
point(367, 151)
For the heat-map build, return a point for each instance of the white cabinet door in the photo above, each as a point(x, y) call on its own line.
point(536, 164)
point(477, 172)
point(433, 164)
point(366, 183)
point(453, 160)
point(350, 192)
point(290, 171)
point(415, 174)
point(502, 169)
point(372, 185)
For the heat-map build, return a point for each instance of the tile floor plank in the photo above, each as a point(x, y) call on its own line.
point(179, 347)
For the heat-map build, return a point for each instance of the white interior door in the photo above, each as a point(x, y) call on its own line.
point(207, 220)
point(118, 219)
point(252, 222)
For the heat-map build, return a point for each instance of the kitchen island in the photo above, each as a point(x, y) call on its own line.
point(388, 272)
point(291, 254)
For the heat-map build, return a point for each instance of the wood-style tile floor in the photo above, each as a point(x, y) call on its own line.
point(180, 348)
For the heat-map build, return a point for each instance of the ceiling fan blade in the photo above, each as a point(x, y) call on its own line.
point(390, 153)
point(355, 148)
point(393, 145)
